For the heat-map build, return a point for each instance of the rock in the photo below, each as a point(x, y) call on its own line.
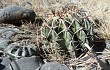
point(27, 63)
point(86, 68)
point(99, 46)
point(4, 43)
point(1, 66)
point(103, 63)
point(107, 44)
point(6, 61)
point(15, 14)
point(53, 66)
point(6, 32)
point(14, 50)
point(81, 68)
point(39, 21)
point(0, 59)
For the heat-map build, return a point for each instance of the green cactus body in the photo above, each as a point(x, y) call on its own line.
point(69, 34)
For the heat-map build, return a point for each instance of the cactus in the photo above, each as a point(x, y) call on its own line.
point(70, 33)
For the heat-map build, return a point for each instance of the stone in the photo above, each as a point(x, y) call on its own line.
point(4, 43)
point(15, 15)
point(6, 61)
point(7, 32)
point(14, 50)
point(26, 63)
point(53, 66)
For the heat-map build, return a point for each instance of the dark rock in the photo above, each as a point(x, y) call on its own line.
point(99, 46)
point(39, 21)
point(1, 59)
point(1, 53)
point(53, 66)
point(2, 67)
point(28, 63)
point(15, 14)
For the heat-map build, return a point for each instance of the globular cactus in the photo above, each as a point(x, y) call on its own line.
point(69, 33)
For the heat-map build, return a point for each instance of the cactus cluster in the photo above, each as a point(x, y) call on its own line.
point(69, 33)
